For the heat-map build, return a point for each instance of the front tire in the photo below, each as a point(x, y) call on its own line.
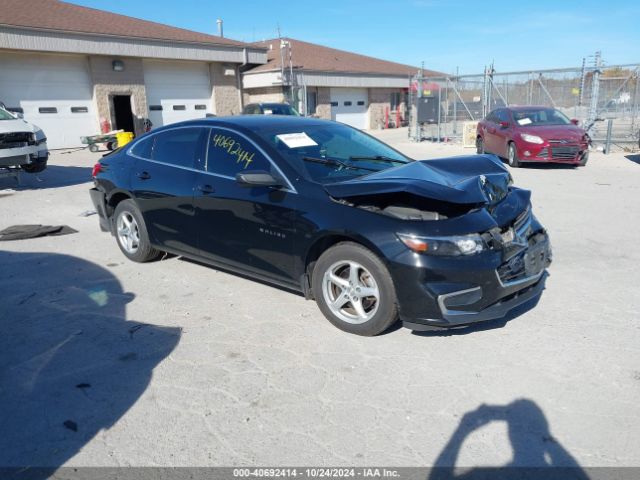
point(131, 233)
point(584, 159)
point(354, 290)
point(34, 167)
point(512, 156)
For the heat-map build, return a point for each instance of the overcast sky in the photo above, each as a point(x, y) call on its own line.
point(516, 35)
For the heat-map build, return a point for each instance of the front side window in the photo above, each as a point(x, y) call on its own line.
point(230, 153)
point(178, 146)
point(503, 115)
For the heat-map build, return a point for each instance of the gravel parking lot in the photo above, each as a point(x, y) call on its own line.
point(104, 362)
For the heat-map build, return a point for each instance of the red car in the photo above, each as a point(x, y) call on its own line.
point(533, 134)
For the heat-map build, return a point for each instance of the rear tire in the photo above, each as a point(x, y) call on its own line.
point(479, 146)
point(354, 290)
point(512, 156)
point(131, 233)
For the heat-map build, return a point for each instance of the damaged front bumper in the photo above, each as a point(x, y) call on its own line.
point(439, 292)
point(24, 155)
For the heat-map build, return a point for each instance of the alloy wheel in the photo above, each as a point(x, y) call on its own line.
point(128, 232)
point(351, 292)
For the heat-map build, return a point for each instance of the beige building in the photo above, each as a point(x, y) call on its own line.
point(333, 84)
point(72, 70)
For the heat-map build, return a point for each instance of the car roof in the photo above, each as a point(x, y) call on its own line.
point(254, 121)
point(517, 108)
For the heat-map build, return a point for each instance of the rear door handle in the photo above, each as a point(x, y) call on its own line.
point(206, 189)
point(144, 176)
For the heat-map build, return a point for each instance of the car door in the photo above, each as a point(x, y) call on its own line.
point(502, 134)
point(489, 132)
point(162, 183)
point(245, 227)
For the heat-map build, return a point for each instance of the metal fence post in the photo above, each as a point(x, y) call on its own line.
point(607, 145)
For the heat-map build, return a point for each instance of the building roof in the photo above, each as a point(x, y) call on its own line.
point(310, 56)
point(66, 17)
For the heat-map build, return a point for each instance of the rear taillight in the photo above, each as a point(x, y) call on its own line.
point(97, 168)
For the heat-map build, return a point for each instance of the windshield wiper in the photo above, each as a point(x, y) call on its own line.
point(337, 163)
point(378, 157)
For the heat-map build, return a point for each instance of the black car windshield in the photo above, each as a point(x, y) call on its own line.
point(331, 152)
point(540, 116)
point(4, 115)
point(278, 109)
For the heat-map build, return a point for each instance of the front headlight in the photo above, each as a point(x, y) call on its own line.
point(531, 138)
point(444, 246)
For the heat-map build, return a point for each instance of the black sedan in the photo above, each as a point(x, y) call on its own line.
point(327, 210)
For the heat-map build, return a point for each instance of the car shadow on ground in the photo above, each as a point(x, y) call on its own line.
point(548, 166)
point(53, 177)
point(634, 158)
point(71, 363)
point(536, 452)
point(481, 326)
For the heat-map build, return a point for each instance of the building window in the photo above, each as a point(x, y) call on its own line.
point(312, 102)
point(179, 107)
point(155, 108)
point(360, 103)
point(79, 110)
point(334, 104)
point(48, 110)
point(395, 100)
point(200, 107)
point(347, 104)
point(15, 109)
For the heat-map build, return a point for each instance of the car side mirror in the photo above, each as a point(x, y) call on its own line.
point(258, 178)
point(575, 121)
point(504, 124)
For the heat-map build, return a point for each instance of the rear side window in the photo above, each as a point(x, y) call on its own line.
point(230, 153)
point(177, 147)
point(143, 147)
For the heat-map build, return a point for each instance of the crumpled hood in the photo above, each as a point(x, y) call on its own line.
point(17, 125)
point(473, 179)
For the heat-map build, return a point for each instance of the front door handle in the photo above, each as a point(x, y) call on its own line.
point(206, 189)
point(144, 176)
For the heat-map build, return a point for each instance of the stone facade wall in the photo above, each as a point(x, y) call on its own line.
point(379, 101)
point(107, 83)
point(323, 109)
point(264, 94)
point(226, 95)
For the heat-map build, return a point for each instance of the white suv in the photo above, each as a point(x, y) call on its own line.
point(22, 144)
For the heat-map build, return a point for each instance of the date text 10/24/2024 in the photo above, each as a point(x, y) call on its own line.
point(315, 473)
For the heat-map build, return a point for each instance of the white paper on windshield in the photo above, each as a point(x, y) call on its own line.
point(268, 112)
point(524, 121)
point(296, 140)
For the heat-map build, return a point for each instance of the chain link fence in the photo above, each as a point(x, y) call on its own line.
point(606, 101)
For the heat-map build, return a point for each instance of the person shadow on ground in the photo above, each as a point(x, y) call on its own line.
point(536, 453)
point(71, 363)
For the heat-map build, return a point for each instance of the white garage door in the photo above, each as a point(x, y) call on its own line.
point(349, 105)
point(177, 91)
point(53, 91)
